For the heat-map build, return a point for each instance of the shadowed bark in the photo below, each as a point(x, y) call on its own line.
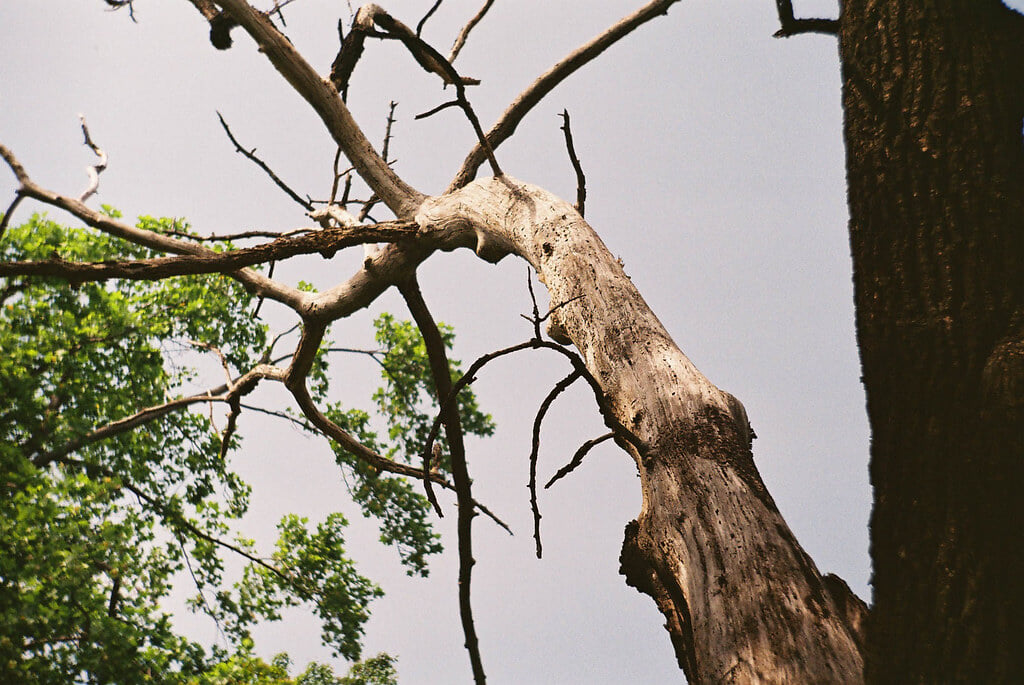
point(933, 102)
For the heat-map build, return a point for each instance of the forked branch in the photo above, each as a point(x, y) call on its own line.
point(528, 99)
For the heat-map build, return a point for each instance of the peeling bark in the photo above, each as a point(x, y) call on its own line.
point(743, 602)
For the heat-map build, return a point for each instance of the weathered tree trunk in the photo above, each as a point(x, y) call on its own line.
point(935, 165)
point(743, 602)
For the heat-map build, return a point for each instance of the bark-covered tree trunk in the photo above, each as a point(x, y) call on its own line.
point(935, 165)
point(743, 602)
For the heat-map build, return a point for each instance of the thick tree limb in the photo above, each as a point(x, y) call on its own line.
point(709, 541)
point(326, 242)
point(441, 371)
point(528, 99)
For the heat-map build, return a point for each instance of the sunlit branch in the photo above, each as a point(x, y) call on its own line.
point(96, 169)
point(528, 99)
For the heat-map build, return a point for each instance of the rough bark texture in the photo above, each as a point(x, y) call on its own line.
point(933, 104)
point(743, 602)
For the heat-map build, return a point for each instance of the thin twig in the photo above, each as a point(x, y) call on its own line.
point(559, 388)
point(6, 218)
point(430, 12)
point(577, 458)
point(460, 40)
point(581, 179)
point(251, 156)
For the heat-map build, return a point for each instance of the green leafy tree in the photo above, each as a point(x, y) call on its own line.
point(115, 483)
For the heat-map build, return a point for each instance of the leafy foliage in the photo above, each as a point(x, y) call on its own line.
point(407, 402)
point(93, 532)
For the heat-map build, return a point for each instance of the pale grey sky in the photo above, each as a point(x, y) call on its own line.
point(714, 161)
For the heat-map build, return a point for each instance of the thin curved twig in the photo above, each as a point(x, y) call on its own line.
point(251, 156)
point(581, 179)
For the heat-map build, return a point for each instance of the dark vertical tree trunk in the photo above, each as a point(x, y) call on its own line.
point(932, 92)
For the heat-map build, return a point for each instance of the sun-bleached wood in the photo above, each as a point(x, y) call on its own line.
point(743, 602)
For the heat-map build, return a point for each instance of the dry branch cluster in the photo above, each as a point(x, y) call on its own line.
point(494, 217)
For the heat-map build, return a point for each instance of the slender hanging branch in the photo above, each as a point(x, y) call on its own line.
point(441, 371)
point(559, 388)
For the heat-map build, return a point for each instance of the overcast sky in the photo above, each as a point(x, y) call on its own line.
point(714, 164)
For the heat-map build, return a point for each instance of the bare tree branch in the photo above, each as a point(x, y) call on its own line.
point(423, 21)
point(506, 125)
point(326, 242)
point(441, 371)
point(792, 26)
point(577, 458)
point(323, 97)
point(581, 179)
point(6, 218)
point(460, 40)
point(242, 385)
point(252, 280)
point(96, 169)
point(251, 156)
point(559, 388)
